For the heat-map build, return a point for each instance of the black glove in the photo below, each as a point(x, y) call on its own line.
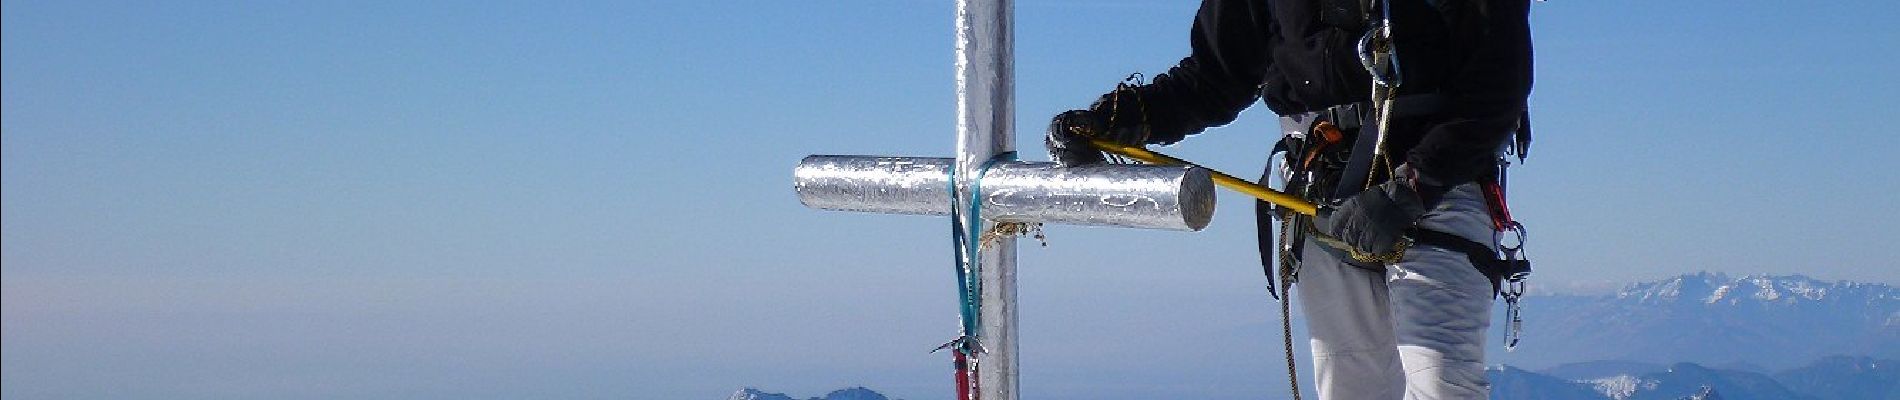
point(1068, 138)
point(1374, 221)
point(1069, 133)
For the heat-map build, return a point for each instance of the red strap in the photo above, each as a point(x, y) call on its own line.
point(966, 387)
point(1494, 200)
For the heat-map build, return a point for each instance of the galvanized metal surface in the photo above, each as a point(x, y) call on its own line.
point(886, 185)
point(1133, 196)
point(986, 111)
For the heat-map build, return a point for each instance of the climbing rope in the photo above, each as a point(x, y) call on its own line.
point(1286, 338)
point(1289, 273)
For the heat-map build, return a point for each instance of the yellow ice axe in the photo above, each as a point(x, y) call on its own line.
point(1276, 197)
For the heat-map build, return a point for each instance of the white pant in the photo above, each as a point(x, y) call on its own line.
point(1413, 332)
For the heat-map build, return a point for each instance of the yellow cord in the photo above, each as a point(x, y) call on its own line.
point(1291, 202)
point(1276, 197)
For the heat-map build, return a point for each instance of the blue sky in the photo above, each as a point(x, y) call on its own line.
point(592, 199)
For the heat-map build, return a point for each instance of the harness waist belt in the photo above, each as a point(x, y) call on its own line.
point(1360, 116)
point(1482, 257)
point(1351, 116)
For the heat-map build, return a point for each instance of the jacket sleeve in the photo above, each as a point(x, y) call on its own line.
point(1461, 149)
point(1493, 84)
point(1221, 77)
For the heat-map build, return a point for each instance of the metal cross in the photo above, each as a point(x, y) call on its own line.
point(1006, 191)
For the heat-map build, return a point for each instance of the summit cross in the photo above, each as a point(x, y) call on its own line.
point(986, 189)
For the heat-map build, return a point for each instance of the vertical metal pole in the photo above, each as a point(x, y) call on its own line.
point(985, 127)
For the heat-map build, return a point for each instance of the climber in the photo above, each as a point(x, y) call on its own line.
point(1397, 113)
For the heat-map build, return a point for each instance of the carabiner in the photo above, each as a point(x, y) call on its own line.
point(1378, 57)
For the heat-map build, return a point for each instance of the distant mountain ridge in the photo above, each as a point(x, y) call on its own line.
point(1697, 336)
point(1761, 291)
point(1782, 321)
point(1846, 378)
point(1832, 378)
point(853, 393)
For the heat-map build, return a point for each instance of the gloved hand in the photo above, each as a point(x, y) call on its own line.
point(1375, 220)
point(1068, 138)
point(1069, 133)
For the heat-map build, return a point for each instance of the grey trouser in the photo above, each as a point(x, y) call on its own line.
point(1414, 332)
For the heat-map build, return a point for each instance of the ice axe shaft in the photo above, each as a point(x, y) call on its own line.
point(1269, 195)
point(1264, 193)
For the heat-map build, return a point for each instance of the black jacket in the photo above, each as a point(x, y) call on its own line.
point(1300, 56)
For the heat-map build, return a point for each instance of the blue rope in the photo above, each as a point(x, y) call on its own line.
point(962, 267)
point(965, 236)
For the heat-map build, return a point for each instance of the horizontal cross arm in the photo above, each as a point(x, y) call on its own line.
point(1133, 196)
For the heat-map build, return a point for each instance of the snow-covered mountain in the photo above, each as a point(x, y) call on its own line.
point(1761, 291)
point(1770, 322)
